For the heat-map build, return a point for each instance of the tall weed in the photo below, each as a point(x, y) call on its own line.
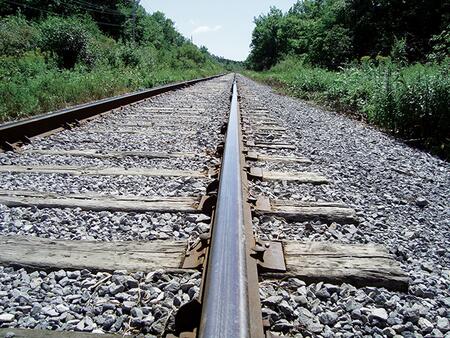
point(411, 102)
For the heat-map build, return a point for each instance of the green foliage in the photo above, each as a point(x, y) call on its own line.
point(440, 46)
point(410, 101)
point(398, 51)
point(332, 33)
point(50, 62)
point(67, 39)
point(16, 36)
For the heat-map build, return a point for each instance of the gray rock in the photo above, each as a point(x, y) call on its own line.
point(425, 325)
point(273, 316)
point(328, 318)
point(60, 274)
point(282, 325)
point(114, 289)
point(443, 324)
point(301, 300)
point(314, 327)
point(421, 290)
point(108, 322)
point(172, 287)
point(323, 294)
point(73, 274)
point(436, 334)
point(137, 312)
point(421, 202)
point(61, 308)
point(50, 311)
point(379, 314)
point(272, 300)
point(389, 332)
point(286, 309)
point(6, 317)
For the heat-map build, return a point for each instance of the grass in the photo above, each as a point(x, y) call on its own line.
point(411, 102)
point(54, 62)
point(31, 86)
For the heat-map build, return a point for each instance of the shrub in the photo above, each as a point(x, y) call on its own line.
point(410, 101)
point(16, 36)
point(68, 39)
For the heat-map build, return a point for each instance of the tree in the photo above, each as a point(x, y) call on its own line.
point(265, 41)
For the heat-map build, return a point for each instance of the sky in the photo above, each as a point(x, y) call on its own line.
point(224, 27)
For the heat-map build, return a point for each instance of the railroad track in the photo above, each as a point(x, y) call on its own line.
point(156, 214)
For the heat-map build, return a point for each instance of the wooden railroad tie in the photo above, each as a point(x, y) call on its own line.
point(95, 171)
point(97, 202)
point(271, 145)
point(360, 265)
point(254, 156)
point(327, 212)
point(40, 333)
point(98, 153)
point(301, 177)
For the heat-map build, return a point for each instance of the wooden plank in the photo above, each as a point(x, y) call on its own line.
point(306, 211)
point(97, 202)
point(173, 109)
point(359, 265)
point(35, 333)
point(269, 128)
point(49, 254)
point(159, 123)
point(270, 145)
point(148, 132)
point(258, 120)
point(110, 154)
point(254, 156)
point(301, 177)
point(92, 171)
point(161, 115)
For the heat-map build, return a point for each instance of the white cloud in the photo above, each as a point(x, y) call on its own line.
point(206, 29)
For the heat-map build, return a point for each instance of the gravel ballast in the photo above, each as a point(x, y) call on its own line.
point(127, 303)
point(107, 185)
point(77, 224)
point(122, 302)
point(401, 198)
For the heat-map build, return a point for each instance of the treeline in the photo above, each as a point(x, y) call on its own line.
point(385, 60)
point(54, 53)
point(332, 33)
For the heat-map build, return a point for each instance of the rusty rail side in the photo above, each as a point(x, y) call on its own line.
point(20, 131)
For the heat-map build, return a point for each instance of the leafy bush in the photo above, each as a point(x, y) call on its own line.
point(16, 36)
point(56, 62)
point(412, 102)
point(68, 39)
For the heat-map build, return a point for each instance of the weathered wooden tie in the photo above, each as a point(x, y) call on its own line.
point(144, 132)
point(48, 254)
point(301, 177)
point(306, 211)
point(97, 153)
point(37, 333)
point(94, 171)
point(360, 265)
point(273, 145)
point(97, 202)
point(254, 156)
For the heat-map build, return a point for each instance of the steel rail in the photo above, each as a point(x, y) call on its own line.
point(18, 131)
point(230, 299)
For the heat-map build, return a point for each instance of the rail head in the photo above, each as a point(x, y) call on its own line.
point(230, 300)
